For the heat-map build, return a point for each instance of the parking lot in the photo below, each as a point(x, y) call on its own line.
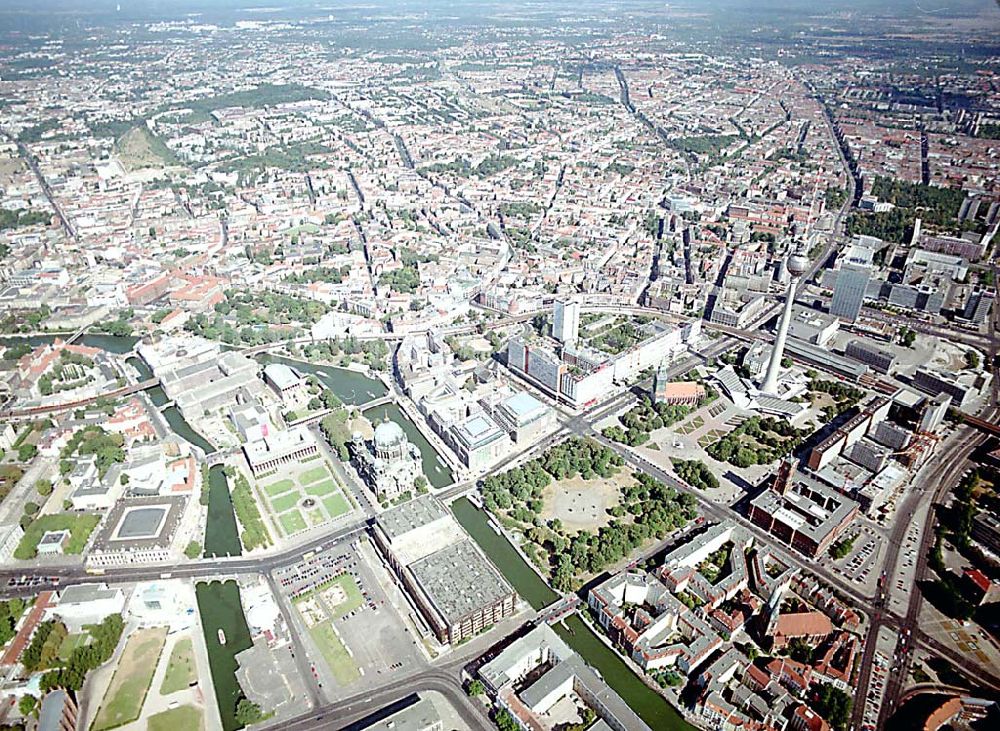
point(861, 565)
point(354, 634)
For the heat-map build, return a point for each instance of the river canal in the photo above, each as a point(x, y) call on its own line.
point(522, 577)
point(222, 537)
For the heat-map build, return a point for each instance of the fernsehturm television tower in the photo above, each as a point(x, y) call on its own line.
point(797, 265)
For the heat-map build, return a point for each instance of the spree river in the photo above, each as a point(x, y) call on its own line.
point(653, 708)
point(112, 343)
point(351, 387)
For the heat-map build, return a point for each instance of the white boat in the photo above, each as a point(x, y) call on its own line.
point(222, 637)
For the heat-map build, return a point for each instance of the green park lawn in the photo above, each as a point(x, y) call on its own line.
point(336, 505)
point(321, 488)
point(182, 718)
point(80, 526)
point(314, 475)
point(276, 488)
point(71, 642)
point(354, 598)
point(125, 695)
point(341, 663)
point(285, 502)
point(315, 516)
point(180, 668)
point(292, 522)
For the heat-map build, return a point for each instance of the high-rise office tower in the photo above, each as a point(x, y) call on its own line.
point(978, 306)
point(566, 321)
point(852, 282)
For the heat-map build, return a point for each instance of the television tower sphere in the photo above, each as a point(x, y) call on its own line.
point(797, 265)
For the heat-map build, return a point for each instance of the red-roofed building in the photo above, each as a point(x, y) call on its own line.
point(143, 294)
point(23, 637)
point(977, 585)
point(806, 719)
point(793, 675)
point(809, 626)
point(132, 422)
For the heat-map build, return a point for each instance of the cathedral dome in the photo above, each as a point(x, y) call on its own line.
point(388, 434)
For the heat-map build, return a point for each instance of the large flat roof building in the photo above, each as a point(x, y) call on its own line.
point(806, 514)
point(280, 447)
point(458, 591)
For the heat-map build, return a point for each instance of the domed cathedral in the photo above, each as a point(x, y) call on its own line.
point(390, 463)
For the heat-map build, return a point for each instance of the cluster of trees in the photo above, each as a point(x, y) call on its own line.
point(10, 612)
point(331, 275)
point(845, 396)
point(834, 705)
point(710, 145)
point(43, 649)
point(945, 592)
point(25, 320)
point(409, 257)
point(958, 518)
point(291, 157)
point(83, 659)
point(67, 374)
point(465, 352)
point(620, 168)
point(337, 433)
point(520, 209)
point(906, 337)
point(618, 339)
point(695, 473)
point(248, 712)
point(16, 351)
point(712, 567)
point(216, 328)
point(26, 452)
point(842, 548)
point(801, 651)
point(269, 308)
point(107, 448)
point(936, 207)
point(255, 533)
point(644, 418)
point(372, 352)
point(667, 678)
point(324, 399)
point(27, 217)
point(757, 441)
point(521, 488)
point(119, 327)
point(463, 168)
point(404, 280)
point(835, 198)
point(516, 497)
point(505, 721)
point(265, 95)
point(894, 225)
